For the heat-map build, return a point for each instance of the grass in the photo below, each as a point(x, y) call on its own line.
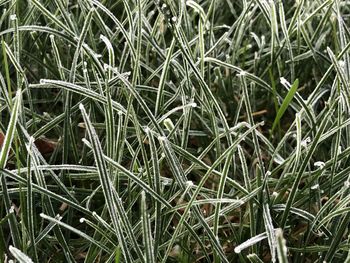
point(174, 131)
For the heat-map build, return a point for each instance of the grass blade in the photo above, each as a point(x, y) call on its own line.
point(19, 255)
point(285, 103)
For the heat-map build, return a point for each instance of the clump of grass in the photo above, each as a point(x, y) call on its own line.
point(174, 131)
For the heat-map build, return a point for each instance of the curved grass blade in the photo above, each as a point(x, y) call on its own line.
point(250, 242)
point(106, 183)
point(58, 221)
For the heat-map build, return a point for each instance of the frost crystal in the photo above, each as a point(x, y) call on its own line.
point(176, 250)
point(189, 183)
point(237, 250)
point(319, 164)
point(81, 106)
point(284, 82)
point(339, 150)
point(242, 73)
point(305, 142)
point(314, 187)
point(162, 138)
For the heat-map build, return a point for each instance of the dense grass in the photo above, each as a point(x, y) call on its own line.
point(174, 131)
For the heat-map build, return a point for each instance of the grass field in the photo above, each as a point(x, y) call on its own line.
point(174, 131)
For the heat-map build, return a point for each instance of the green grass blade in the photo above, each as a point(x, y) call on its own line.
point(284, 106)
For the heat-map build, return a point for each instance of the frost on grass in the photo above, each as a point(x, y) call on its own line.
point(250, 242)
point(189, 183)
point(19, 255)
point(315, 187)
point(192, 139)
point(162, 138)
point(304, 143)
point(284, 82)
point(319, 164)
point(242, 73)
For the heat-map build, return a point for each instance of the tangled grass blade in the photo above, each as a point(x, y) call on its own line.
point(182, 131)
